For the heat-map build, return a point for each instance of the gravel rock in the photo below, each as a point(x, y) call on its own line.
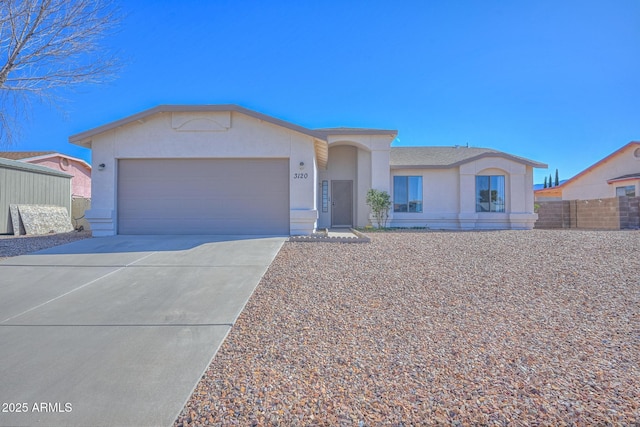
point(537, 327)
point(20, 245)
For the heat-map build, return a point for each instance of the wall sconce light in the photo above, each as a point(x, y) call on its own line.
point(101, 166)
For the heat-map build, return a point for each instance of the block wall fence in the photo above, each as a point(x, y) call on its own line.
point(616, 213)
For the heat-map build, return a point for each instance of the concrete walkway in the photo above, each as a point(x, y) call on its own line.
point(118, 330)
point(341, 232)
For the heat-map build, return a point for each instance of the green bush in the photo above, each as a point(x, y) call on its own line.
point(380, 203)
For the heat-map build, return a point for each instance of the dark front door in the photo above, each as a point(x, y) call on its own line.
point(341, 203)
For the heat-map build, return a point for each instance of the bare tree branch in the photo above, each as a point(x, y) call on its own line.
point(51, 44)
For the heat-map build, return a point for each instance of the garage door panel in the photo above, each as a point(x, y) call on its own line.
point(206, 206)
point(203, 196)
point(196, 225)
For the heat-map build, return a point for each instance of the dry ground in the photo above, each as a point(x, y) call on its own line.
point(452, 328)
point(20, 245)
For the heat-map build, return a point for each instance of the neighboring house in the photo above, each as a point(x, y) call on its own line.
point(548, 194)
point(224, 169)
point(26, 184)
point(618, 174)
point(79, 169)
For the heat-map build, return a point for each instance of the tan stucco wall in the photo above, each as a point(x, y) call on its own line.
point(593, 183)
point(449, 197)
point(342, 165)
point(363, 186)
point(363, 159)
point(347, 162)
point(202, 135)
point(378, 147)
point(440, 198)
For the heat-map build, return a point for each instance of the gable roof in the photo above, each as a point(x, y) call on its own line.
point(29, 156)
point(625, 177)
point(447, 157)
point(18, 165)
point(84, 138)
point(599, 163)
point(355, 131)
point(20, 155)
point(549, 191)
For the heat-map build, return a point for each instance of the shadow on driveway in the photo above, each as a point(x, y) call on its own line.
point(118, 330)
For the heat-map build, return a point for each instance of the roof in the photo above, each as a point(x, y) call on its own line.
point(29, 156)
point(447, 157)
point(20, 155)
point(18, 165)
point(537, 187)
point(557, 190)
point(84, 138)
point(625, 177)
point(601, 162)
point(355, 131)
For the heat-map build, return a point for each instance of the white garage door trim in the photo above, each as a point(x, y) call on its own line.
point(203, 196)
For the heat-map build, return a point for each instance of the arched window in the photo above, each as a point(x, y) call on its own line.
point(490, 193)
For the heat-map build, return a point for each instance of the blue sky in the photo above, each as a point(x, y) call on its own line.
point(553, 81)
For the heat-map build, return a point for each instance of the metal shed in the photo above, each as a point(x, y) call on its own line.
point(24, 183)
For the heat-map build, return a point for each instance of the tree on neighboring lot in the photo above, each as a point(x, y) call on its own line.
point(557, 178)
point(550, 181)
point(50, 44)
point(545, 182)
point(380, 203)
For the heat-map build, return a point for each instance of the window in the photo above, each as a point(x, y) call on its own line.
point(629, 191)
point(325, 196)
point(490, 193)
point(407, 194)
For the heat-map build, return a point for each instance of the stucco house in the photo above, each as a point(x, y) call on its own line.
point(78, 168)
point(226, 169)
point(618, 174)
point(462, 188)
point(548, 194)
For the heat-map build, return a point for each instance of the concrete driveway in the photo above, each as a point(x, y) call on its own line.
point(118, 330)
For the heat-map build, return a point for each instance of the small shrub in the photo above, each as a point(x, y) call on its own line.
point(380, 203)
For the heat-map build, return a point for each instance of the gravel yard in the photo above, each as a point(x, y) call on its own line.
point(457, 328)
point(20, 245)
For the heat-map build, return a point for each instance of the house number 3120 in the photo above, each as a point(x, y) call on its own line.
point(300, 175)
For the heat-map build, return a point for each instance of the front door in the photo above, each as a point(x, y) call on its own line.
point(342, 203)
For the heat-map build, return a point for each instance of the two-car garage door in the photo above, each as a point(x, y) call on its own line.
point(203, 196)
